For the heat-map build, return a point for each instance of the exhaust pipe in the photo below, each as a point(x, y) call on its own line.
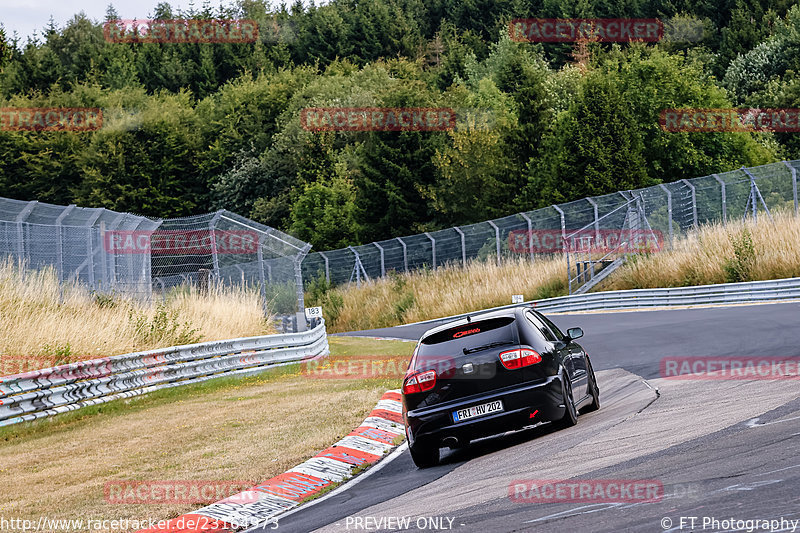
point(450, 442)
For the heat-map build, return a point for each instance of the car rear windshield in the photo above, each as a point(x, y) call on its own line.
point(454, 341)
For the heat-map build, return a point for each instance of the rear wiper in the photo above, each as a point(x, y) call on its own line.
point(486, 347)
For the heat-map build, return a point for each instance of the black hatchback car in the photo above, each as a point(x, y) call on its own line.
point(490, 373)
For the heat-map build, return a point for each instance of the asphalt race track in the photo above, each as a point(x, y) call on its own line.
point(725, 450)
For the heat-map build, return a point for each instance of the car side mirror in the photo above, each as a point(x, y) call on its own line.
point(574, 333)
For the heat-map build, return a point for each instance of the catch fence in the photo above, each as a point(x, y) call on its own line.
point(667, 212)
point(128, 254)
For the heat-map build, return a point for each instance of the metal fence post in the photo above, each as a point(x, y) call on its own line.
point(241, 274)
point(433, 248)
point(724, 199)
point(260, 259)
point(669, 213)
point(327, 267)
point(90, 256)
point(212, 229)
point(163, 292)
point(694, 202)
point(147, 268)
point(755, 196)
point(130, 273)
point(60, 243)
point(101, 232)
point(596, 220)
point(564, 243)
point(90, 244)
point(298, 280)
point(383, 264)
point(114, 225)
point(530, 233)
point(405, 253)
point(463, 247)
point(20, 232)
point(496, 239)
point(358, 268)
point(794, 185)
point(103, 257)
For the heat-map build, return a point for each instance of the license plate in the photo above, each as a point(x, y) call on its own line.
point(477, 410)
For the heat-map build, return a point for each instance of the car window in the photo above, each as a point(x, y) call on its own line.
point(541, 326)
point(454, 341)
point(553, 327)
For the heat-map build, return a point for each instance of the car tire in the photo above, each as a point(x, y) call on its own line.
point(570, 417)
point(594, 390)
point(424, 457)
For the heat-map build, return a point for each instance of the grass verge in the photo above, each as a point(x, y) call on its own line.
point(44, 323)
point(241, 429)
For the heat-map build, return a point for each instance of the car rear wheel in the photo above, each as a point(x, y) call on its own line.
point(594, 390)
point(424, 457)
point(570, 417)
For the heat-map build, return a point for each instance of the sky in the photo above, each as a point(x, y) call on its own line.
point(29, 16)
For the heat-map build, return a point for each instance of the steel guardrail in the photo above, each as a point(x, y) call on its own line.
point(722, 293)
point(49, 391)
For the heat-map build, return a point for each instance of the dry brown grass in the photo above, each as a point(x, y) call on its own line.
point(713, 254)
point(449, 290)
point(710, 255)
point(45, 322)
point(249, 429)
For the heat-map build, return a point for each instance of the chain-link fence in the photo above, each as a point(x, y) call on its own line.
point(122, 253)
point(670, 211)
point(125, 253)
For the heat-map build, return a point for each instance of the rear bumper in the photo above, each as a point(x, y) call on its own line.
point(429, 426)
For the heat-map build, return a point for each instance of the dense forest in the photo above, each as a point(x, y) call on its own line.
point(191, 127)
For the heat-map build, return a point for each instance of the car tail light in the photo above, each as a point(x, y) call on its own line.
point(419, 382)
point(513, 359)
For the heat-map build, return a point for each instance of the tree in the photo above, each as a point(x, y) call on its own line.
point(151, 168)
point(5, 50)
point(476, 175)
point(652, 80)
point(325, 214)
point(593, 148)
